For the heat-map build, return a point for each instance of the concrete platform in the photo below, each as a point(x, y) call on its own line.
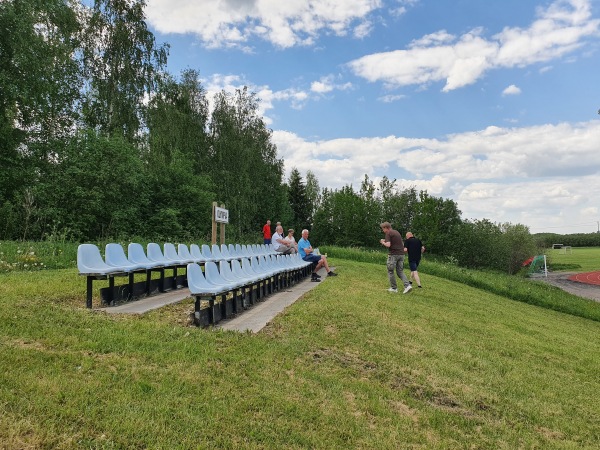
point(253, 319)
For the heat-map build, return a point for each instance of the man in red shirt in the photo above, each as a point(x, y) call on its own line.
point(267, 232)
point(395, 260)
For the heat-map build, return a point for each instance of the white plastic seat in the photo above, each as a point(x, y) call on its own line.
point(212, 275)
point(227, 274)
point(198, 285)
point(90, 262)
point(207, 253)
point(260, 267)
point(197, 254)
point(238, 271)
point(136, 255)
point(217, 254)
point(226, 253)
point(155, 254)
point(251, 270)
point(172, 256)
point(114, 256)
point(184, 253)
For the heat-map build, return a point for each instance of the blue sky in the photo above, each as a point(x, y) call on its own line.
point(493, 103)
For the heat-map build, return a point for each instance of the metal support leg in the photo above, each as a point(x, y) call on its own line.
point(88, 300)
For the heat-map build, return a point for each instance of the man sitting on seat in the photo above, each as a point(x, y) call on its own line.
point(280, 244)
point(307, 253)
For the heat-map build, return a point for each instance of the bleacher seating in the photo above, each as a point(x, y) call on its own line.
point(237, 276)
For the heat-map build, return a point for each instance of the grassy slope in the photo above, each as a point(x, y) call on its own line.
point(348, 366)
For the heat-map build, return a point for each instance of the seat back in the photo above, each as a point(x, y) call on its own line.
point(196, 253)
point(238, 272)
point(225, 252)
point(184, 253)
point(196, 282)
point(90, 261)
point(212, 275)
point(216, 252)
point(114, 255)
point(206, 252)
point(247, 267)
point(170, 252)
point(135, 254)
point(155, 253)
point(226, 273)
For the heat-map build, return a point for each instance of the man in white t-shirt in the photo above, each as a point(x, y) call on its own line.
point(280, 244)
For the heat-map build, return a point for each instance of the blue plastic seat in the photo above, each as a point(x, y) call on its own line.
point(238, 271)
point(260, 267)
point(238, 251)
point(218, 254)
point(136, 255)
point(90, 262)
point(197, 254)
point(212, 275)
point(226, 271)
point(226, 254)
point(250, 270)
point(207, 253)
point(198, 285)
point(114, 256)
point(155, 254)
point(184, 253)
point(172, 256)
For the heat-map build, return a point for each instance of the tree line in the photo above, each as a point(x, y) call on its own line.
point(98, 140)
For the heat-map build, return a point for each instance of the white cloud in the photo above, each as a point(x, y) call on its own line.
point(232, 23)
point(532, 175)
point(229, 83)
point(460, 61)
point(391, 98)
point(511, 90)
point(327, 84)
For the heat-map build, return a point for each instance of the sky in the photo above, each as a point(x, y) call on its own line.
point(491, 103)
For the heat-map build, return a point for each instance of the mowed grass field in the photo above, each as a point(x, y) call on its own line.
point(578, 259)
point(347, 366)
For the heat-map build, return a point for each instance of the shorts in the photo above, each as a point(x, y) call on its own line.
point(413, 265)
point(312, 258)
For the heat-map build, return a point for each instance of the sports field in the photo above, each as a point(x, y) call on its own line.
point(585, 261)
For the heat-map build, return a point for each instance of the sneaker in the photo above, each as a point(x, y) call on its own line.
point(315, 279)
point(407, 289)
point(316, 275)
point(331, 274)
point(420, 286)
point(394, 291)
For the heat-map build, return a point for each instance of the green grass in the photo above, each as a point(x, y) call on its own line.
point(348, 366)
point(580, 259)
point(510, 286)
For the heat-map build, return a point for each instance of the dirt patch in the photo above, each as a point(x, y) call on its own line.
point(561, 280)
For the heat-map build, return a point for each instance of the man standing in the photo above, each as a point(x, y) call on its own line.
point(267, 232)
point(414, 247)
point(306, 253)
point(280, 244)
point(395, 259)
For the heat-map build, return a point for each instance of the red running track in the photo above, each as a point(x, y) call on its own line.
point(587, 277)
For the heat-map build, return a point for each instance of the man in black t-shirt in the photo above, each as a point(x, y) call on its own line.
point(414, 247)
point(395, 259)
